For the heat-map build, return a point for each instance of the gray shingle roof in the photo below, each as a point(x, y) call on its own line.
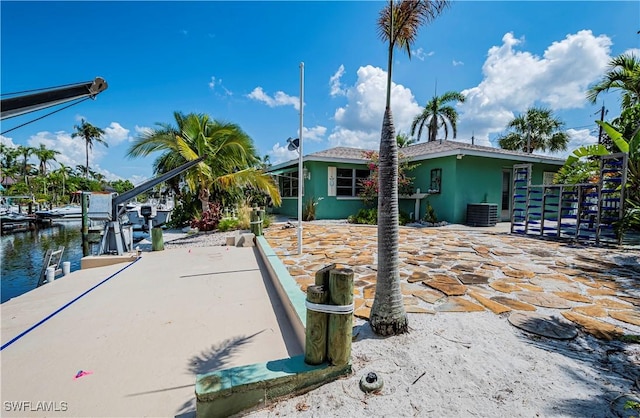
point(425, 149)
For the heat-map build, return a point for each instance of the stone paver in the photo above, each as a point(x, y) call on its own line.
point(465, 270)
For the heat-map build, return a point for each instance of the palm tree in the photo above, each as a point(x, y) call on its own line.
point(45, 155)
point(62, 174)
point(231, 158)
point(404, 140)
point(623, 74)
point(437, 114)
point(398, 25)
point(537, 129)
point(89, 133)
point(26, 152)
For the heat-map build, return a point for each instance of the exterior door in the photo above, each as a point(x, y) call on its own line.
point(505, 213)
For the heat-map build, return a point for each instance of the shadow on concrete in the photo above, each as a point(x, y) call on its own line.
point(215, 358)
point(613, 361)
point(284, 323)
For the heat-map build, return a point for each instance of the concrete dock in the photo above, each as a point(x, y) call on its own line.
point(128, 339)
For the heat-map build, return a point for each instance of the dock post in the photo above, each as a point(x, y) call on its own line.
point(157, 242)
point(85, 224)
point(66, 267)
point(315, 347)
point(340, 324)
point(51, 274)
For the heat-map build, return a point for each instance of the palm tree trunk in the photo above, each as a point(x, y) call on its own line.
point(86, 148)
point(204, 199)
point(388, 316)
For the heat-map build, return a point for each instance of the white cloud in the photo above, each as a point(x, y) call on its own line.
point(313, 134)
point(114, 134)
point(5, 140)
point(72, 150)
point(359, 122)
point(334, 83)
point(420, 54)
point(142, 130)
point(279, 99)
point(212, 83)
point(456, 63)
point(280, 154)
point(516, 80)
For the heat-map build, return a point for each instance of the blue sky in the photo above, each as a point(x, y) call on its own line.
point(239, 62)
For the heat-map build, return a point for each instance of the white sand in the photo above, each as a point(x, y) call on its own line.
point(474, 365)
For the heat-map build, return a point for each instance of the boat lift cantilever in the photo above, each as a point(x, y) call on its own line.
point(113, 240)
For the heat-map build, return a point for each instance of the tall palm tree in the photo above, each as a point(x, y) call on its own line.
point(25, 152)
point(89, 133)
point(437, 114)
point(45, 155)
point(398, 24)
point(623, 74)
point(62, 173)
point(537, 129)
point(231, 158)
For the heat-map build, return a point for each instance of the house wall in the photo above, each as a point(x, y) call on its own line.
point(467, 180)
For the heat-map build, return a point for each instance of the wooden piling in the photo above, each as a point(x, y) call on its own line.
point(322, 276)
point(157, 242)
point(315, 350)
point(340, 325)
point(256, 222)
point(85, 224)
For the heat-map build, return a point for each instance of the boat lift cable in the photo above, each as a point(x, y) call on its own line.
point(22, 334)
point(44, 116)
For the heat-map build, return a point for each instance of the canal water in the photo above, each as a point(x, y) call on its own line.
point(22, 255)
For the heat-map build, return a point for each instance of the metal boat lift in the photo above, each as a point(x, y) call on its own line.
point(113, 240)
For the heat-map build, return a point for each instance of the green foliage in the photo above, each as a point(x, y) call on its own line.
point(537, 129)
point(365, 216)
point(370, 217)
point(437, 114)
point(183, 213)
point(121, 186)
point(309, 209)
point(370, 185)
point(227, 224)
point(430, 215)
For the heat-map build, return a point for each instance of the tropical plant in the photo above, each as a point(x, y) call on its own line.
point(210, 218)
point(580, 167)
point(309, 209)
point(230, 157)
point(537, 129)
point(45, 155)
point(438, 114)
point(398, 25)
point(371, 184)
point(89, 134)
point(25, 152)
point(404, 140)
point(623, 74)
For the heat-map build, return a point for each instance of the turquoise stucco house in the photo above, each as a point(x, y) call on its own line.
point(449, 175)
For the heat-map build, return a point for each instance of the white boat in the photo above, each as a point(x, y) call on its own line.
point(156, 211)
point(68, 212)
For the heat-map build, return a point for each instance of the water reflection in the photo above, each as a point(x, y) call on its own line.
point(22, 254)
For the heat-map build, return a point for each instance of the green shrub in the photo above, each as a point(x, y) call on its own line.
point(430, 215)
point(227, 224)
point(370, 217)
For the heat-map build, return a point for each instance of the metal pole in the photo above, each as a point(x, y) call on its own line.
point(300, 168)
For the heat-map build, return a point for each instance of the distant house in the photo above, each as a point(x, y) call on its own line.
point(449, 175)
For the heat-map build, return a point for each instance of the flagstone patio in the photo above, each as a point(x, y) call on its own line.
point(452, 269)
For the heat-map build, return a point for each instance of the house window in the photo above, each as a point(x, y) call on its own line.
point(348, 181)
point(547, 177)
point(436, 178)
point(289, 184)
